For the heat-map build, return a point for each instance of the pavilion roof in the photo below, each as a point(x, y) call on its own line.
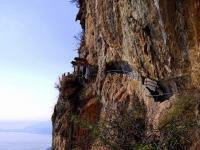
point(80, 61)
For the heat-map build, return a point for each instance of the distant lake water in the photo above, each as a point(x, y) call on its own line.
point(24, 141)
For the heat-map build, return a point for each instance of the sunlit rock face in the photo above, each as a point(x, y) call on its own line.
point(159, 40)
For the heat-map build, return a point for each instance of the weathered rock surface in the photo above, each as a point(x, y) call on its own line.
point(156, 39)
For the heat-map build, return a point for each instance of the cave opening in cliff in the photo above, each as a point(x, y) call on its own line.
point(147, 30)
point(121, 67)
point(162, 93)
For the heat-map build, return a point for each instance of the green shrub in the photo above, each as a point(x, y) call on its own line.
point(182, 110)
point(179, 122)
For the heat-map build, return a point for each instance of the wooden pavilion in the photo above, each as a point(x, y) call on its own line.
point(80, 66)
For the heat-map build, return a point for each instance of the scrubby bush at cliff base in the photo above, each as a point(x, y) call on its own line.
point(180, 122)
point(124, 129)
point(175, 135)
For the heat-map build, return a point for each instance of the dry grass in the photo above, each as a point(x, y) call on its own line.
point(179, 122)
point(185, 104)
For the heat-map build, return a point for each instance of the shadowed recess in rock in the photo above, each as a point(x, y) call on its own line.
point(118, 67)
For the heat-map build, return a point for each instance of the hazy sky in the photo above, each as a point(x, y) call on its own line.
point(36, 45)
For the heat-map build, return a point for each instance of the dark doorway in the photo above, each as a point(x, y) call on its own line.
point(118, 67)
point(163, 91)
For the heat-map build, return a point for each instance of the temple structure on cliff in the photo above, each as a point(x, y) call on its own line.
point(80, 67)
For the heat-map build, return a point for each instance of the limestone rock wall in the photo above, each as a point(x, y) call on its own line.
point(158, 39)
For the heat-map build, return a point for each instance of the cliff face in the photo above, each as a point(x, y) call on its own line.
point(130, 42)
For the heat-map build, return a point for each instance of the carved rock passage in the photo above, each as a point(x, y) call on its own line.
point(159, 39)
